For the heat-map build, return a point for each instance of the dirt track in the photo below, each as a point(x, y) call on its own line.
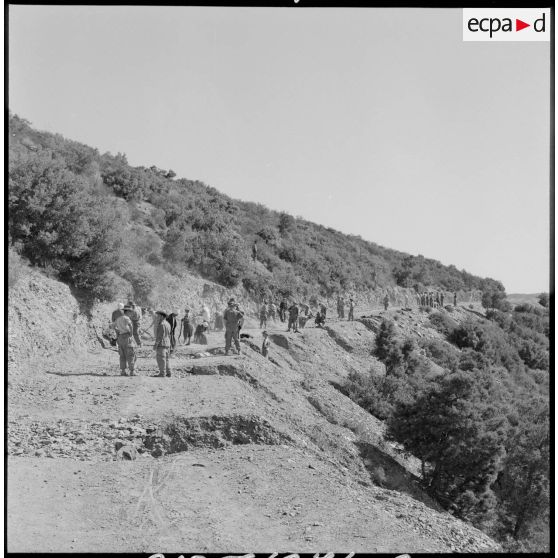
point(296, 478)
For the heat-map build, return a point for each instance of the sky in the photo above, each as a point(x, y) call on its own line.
point(381, 123)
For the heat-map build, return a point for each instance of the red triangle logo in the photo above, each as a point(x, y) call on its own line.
point(519, 25)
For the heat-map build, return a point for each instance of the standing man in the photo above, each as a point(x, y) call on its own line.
point(442, 298)
point(186, 327)
point(255, 251)
point(437, 299)
point(293, 318)
point(455, 298)
point(232, 316)
point(273, 311)
point(162, 344)
point(323, 310)
point(263, 316)
point(386, 302)
point(125, 341)
point(351, 310)
point(265, 344)
point(136, 319)
point(282, 310)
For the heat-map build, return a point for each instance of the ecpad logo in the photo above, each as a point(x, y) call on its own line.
point(495, 24)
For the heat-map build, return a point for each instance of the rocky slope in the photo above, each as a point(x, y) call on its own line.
point(230, 454)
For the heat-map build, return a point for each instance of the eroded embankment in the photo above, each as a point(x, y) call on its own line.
point(104, 440)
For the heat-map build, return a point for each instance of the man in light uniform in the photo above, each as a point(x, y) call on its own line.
point(125, 341)
point(232, 317)
point(162, 344)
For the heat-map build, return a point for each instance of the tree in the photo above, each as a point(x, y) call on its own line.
point(523, 485)
point(458, 432)
point(544, 299)
point(59, 221)
point(495, 299)
point(286, 223)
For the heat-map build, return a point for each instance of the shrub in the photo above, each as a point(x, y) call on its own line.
point(442, 353)
point(443, 323)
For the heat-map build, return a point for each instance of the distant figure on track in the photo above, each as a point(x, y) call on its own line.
point(272, 308)
point(283, 310)
point(386, 302)
point(186, 327)
point(255, 251)
point(340, 308)
point(441, 299)
point(351, 310)
point(455, 299)
point(293, 318)
point(162, 344)
point(265, 344)
point(263, 316)
point(125, 341)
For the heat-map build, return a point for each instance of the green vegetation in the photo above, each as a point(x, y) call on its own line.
point(480, 429)
point(105, 226)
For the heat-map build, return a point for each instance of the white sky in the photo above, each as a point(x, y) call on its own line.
point(377, 122)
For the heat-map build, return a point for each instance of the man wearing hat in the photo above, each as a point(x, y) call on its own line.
point(125, 341)
point(162, 344)
point(232, 317)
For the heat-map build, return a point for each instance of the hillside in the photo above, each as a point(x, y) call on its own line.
point(112, 229)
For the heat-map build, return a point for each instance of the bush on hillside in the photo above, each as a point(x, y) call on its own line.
point(58, 220)
point(442, 322)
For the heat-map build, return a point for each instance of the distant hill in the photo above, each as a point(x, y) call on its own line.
point(104, 226)
point(519, 298)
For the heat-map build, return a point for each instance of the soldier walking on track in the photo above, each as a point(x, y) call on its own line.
point(125, 341)
point(282, 310)
point(351, 309)
point(265, 344)
point(293, 318)
point(263, 316)
point(163, 344)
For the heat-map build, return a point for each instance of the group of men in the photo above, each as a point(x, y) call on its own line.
point(125, 323)
point(434, 299)
point(126, 320)
point(296, 315)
